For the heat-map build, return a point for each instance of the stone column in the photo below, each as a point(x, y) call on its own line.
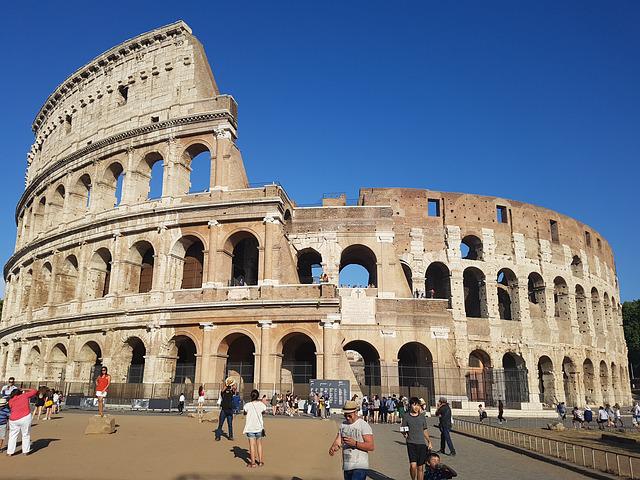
point(265, 381)
point(270, 223)
point(210, 274)
point(219, 174)
point(330, 328)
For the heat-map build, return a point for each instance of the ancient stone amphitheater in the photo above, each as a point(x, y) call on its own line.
point(121, 260)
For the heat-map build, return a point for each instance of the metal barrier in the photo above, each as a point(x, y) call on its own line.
point(619, 464)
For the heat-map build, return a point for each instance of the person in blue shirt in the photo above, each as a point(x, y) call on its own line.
point(236, 402)
point(4, 420)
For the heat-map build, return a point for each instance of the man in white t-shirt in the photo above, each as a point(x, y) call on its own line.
point(8, 388)
point(355, 437)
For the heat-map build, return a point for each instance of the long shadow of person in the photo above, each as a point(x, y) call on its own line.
point(41, 443)
point(243, 453)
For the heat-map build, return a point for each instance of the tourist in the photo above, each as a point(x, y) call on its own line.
point(181, 401)
point(609, 411)
point(20, 420)
point(501, 418)
point(327, 407)
point(635, 412)
point(376, 409)
point(392, 405)
point(226, 407)
point(5, 411)
point(48, 404)
point(56, 401)
point(39, 402)
point(482, 413)
point(588, 417)
point(383, 410)
point(254, 429)
point(603, 418)
point(236, 402)
point(444, 413)
point(562, 411)
point(414, 428)
point(310, 400)
point(436, 470)
point(8, 388)
point(322, 406)
point(274, 404)
point(576, 417)
point(295, 406)
point(617, 416)
point(403, 408)
point(364, 406)
point(200, 404)
point(102, 385)
point(355, 437)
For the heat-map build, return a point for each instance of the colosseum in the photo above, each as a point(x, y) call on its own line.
point(122, 260)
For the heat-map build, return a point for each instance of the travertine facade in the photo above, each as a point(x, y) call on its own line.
point(188, 287)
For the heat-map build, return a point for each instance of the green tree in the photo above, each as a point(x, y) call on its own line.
point(631, 324)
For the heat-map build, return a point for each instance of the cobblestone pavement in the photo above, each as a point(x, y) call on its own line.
point(474, 459)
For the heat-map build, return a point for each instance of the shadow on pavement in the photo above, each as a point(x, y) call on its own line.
point(373, 475)
point(41, 443)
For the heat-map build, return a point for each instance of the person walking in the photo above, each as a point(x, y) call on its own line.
point(414, 427)
point(482, 413)
point(102, 385)
point(254, 429)
point(603, 418)
point(635, 412)
point(376, 409)
point(5, 412)
point(577, 417)
point(588, 417)
point(391, 409)
point(617, 416)
point(444, 413)
point(181, 400)
point(562, 411)
point(200, 404)
point(39, 402)
point(501, 418)
point(355, 437)
point(226, 407)
point(48, 404)
point(20, 420)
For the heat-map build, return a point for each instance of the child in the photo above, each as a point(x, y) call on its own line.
point(482, 413)
point(436, 470)
point(4, 419)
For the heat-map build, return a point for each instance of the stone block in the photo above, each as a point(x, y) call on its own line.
point(101, 425)
point(556, 427)
point(211, 416)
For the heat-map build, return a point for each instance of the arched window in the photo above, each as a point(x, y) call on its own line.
point(27, 282)
point(40, 223)
point(415, 372)
point(588, 377)
point(479, 378)
point(309, 266)
point(141, 267)
point(56, 207)
point(471, 248)
point(184, 350)
point(570, 381)
point(199, 161)
point(508, 301)
point(408, 276)
point(437, 281)
point(298, 360)
point(43, 286)
point(80, 196)
point(239, 351)
point(561, 300)
point(364, 360)
point(100, 273)
point(364, 257)
point(536, 295)
point(475, 293)
point(516, 386)
point(581, 309)
point(546, 381)
point(67, 279)
point(112, 181)
point(596, 310)
point(135, 352)
point(576, 266)
point(153, 166)
point(193, 265)
point(244, 259)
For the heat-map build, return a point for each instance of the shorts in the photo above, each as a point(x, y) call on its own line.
point(417, 453)
point(254, 434)
point(100, 394)
point(201, 400)
point(3, 431)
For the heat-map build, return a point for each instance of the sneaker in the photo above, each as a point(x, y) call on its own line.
point(231, 438)
point(453, 454)
point(217, 439)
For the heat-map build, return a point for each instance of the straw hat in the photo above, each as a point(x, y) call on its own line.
point(422, 402)
point(3, 401)
point(349, 406)
point(229, 381)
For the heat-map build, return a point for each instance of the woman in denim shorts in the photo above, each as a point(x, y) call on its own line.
point(254, 428)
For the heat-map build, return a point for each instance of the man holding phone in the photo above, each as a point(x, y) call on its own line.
point(355, 437)
point(414, 428)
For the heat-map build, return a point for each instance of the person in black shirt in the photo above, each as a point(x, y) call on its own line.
point(226, 407)
point(444, 413)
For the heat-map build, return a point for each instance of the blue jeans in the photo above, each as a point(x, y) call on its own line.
point(357, 474)
point(445, 436)
point(228, 416)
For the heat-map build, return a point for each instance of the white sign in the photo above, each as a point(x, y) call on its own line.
point(440, 332)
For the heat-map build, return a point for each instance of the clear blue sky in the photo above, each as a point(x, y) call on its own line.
point(535, 101)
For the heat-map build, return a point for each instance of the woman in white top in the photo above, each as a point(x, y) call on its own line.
point(254, 428)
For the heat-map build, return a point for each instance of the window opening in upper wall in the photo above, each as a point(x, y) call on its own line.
point(67, 123)
point(433, 207)
point(555, 237)
point(501, 214)
point(599, 244)
point(587, 238)
point(123, 90)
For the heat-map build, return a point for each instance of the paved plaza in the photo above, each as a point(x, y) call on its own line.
point(179, 448)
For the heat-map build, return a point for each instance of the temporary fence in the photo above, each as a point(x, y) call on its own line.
point(620, 464)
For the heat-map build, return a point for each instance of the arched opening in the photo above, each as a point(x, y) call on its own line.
point(508, 303)
point(80, 196)
point(614, 380)
point(596, 310)
point(471, 248)
point(56, 207)
point(33, 365)
point(88, 362)
point(309, 266)
point(364, 257)
point(67, 279)
point(153, 166)
point(570, 381)
point(408, 276)
point(191, 249)
point(479, 378)
point(546, 381)
point(240, 352)
point(199, 161)
point(57, 363)
point(536, 295)
point(561, 301)
point(604, 381)
point(588, 378)
point(40, 224)
point(43, 285)
point(140, 267)
point(99, 274)
point(111, 187)
point(576, 266)
point(437, 281)
point(475, 293)
point(581, 310)
point(365, 364)
point(516, 387)
point(606, 324)
point(185, 351)
point(415, 372)
point(244, 259)
point(135, 351)
point(27, 283)
point(298, 362)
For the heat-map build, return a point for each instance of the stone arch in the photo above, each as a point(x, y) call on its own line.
point(190, 249)
point(239, 348)
point(33, 364)
point(80, 196)
point(362, 255)
point(596, 310)
point(55, 210)
point(581, 310)
point(480, 378)
point(570, 381)
point(151, 169)
point(298, 360)
point(588, 378)
point(184, 351)
point(111, 185)
point(516, 386)
point(134, 353)
point(437, 281)
point(475, 293)
point(364, 360)
point(43, 285)
point(99, 273)
point(562, 309)
point(471, 248)
point(243, 249)
point(27, 290)
point(140, 267)
point(604, 381)
point(615, 381)
point(309, 266)
point(415, 371)
point(57, 362)
point(408, 275)
point(536, 295)
point(88, 361)
point(508, 299)
point(199, 160)
point(67, 279)
point(40, 219)
point(546, 381)
point(607, 311)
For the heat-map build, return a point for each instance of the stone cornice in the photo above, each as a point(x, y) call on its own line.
point(104, 61)
point(152, 127)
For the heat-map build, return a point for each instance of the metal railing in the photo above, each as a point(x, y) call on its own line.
point(620, 464)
